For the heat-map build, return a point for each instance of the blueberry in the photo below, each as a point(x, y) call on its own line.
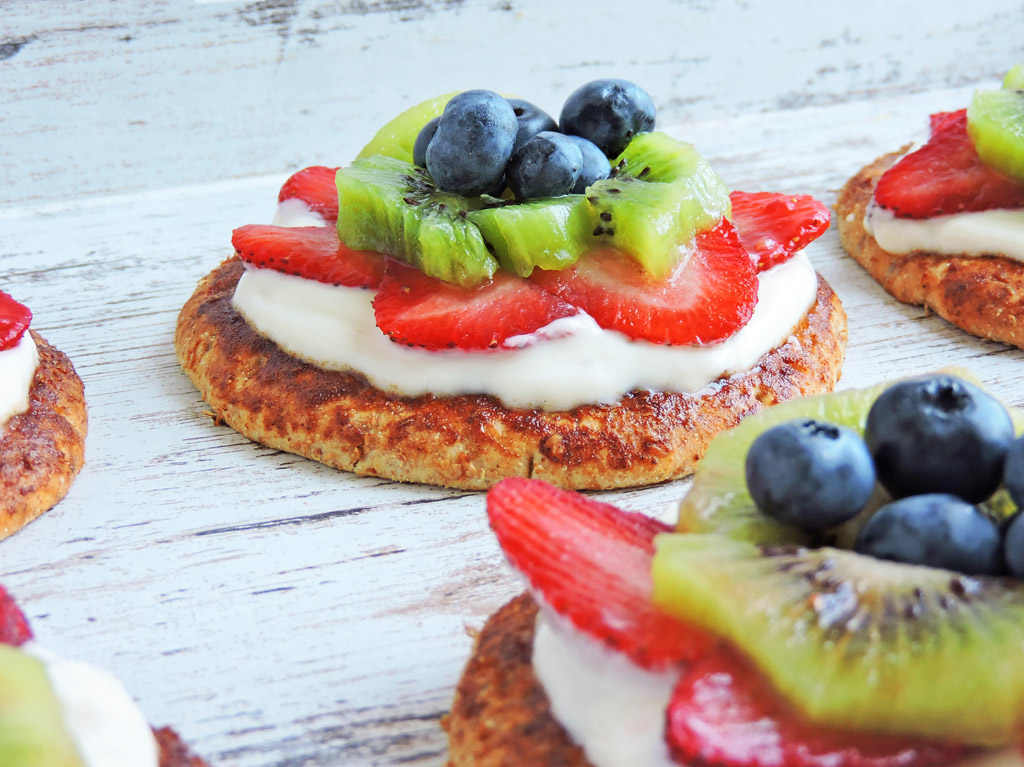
point(472, 144)
point(938, 435)
point(938, 530)
point(595, 164)
point(1013, 472)
point(609, 113)
point(532, 120)
point(1013, 545)
point(545, 166)
point(810, 474)
point(419, 149)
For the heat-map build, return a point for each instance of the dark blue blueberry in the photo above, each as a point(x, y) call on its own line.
point(1013, 472)
point(545, 166)
point(810, 474)
point(938, 530)
point(419, 149)
point(472, 144)
point(938, 435)
point(609, 113)
point(595, 164)
point(532, 120)
point(1013, 545)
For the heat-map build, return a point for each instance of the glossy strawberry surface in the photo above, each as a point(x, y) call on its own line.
point(315, 186)
point(14, 321)
point(773, 227)
point(14, 628)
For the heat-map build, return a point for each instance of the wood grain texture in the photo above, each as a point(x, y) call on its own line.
point(276, 612)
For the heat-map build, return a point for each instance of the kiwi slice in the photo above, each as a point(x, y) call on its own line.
point(995, 121)
point(397, 137)
point(1014, 79)
point(393, 207)
point(857, 642)
point(661, 192)
point(32, 730)
point(550, 234)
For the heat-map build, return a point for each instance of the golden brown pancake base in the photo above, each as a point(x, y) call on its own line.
point(174, 753)
point(42, 449)
point(501, 716)
point(983, 295)
point(473, 441)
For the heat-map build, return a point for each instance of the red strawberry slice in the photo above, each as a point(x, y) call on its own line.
point(706, 299)
point(772, 226)
point(14, 629)
point(14, 321)
point(723, 713)
point(416, 309)
point(313, 252)
point(945, 176)
point(315, 186)
point(591, 562)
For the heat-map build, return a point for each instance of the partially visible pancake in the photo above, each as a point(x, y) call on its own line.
point(42, 449)
point(501, 715)
point(983, 295)
point(174, 753)
point(473, 441)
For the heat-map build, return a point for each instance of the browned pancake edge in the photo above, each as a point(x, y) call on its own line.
point(982, 295)
point(173, 752)
point(42, 449)
point(473, 441)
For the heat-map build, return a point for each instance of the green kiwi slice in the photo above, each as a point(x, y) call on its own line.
point(660, 194)
point(393, 207)
point(856, 642)
point(397, 137)
point(995, 121)
point(32, 730)
point(1014, 79)
point(550, 234)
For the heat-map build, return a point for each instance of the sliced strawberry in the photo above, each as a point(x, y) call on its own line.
point(939, 120)
point(14, 321)
point(772, 226)
point(945, 176)
point(416, 309)
point(723, 713)
point(314, 186)
point(706, 299)
point(14, 629)
point(591, 562)
point(312, 252)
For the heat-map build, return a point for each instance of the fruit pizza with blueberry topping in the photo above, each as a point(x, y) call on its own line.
point(843, 588)
point(485, 292)
point(43, 420)
point(943, 225)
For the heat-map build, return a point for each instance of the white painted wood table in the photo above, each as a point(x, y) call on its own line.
point(275, 611)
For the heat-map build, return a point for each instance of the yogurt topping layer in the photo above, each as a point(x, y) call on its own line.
point(570, 362)
point(982, 233)
point(17, 369)
point(104, 722)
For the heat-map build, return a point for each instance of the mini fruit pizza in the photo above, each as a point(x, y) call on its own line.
point(60, 713)
point(943, 226)
point(843, 589)
point(484, 293)
point(42, 420)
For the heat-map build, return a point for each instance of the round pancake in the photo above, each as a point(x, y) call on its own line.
point(501, 714)
point(982, 295)
point(473, 441)
point(42, 449)
point(174, 753)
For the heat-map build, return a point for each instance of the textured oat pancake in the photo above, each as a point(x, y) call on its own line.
point(501, 715)
point(174, 753)
point(982, 295)
point(42, 449)
point(472, 441)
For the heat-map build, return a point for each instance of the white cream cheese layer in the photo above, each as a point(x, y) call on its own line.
point(17, 369)
point(570, 362)
point(104, 722)
point(982, 233)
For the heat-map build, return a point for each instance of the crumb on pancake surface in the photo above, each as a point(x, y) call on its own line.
point(983, 295)
point(472, 441)
point(42, 449)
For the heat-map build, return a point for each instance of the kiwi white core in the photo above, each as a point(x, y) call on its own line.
point(17, 369)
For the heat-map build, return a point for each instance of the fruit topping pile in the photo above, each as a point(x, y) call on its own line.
point(974, 160)
point(14, 321)
point(479, 218)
